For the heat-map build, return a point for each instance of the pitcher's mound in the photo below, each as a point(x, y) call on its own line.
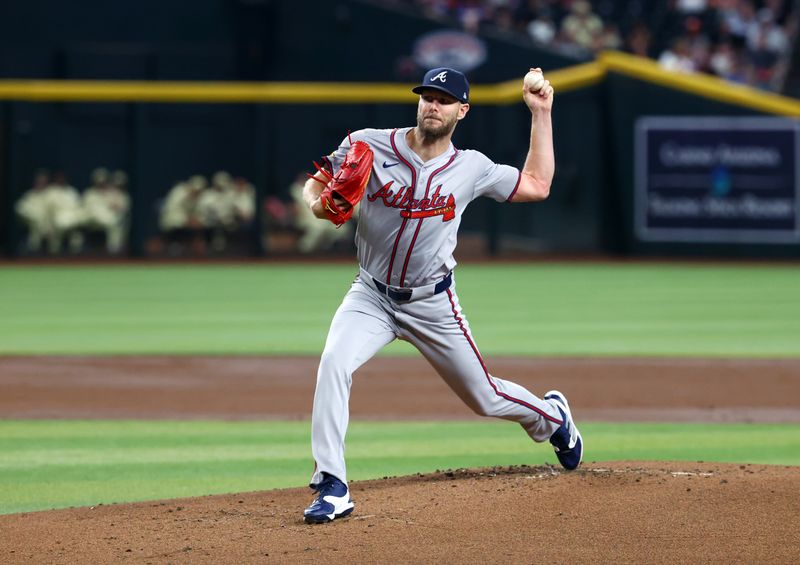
point(673, 512)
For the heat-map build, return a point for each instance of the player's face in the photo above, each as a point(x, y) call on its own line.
point(438, 113)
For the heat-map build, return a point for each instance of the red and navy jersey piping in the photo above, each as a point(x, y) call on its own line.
point(419, 223)
point(486, 371)
point(516, 187)
point(405, 220)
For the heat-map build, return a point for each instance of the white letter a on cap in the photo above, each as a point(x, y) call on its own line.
point(441, 76)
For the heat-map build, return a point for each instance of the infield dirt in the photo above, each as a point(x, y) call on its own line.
point(611, 513)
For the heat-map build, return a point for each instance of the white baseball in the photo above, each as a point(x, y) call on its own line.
point(534, 81)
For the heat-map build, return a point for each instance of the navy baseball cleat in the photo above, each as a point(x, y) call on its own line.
point(566, 440)
point(333, 501)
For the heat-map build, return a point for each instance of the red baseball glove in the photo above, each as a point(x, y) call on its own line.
point(348, 184)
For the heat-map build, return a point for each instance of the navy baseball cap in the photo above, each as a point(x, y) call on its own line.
point(447, 80)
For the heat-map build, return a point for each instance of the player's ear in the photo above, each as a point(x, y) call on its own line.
point(462, 111)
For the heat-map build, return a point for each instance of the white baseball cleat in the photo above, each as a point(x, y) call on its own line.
point(333, 501)
point(566, 440)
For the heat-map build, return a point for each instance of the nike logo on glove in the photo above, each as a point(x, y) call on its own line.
point(386, 164)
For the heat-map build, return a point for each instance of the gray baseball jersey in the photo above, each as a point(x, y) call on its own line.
point(409, 217)
point(407, 228)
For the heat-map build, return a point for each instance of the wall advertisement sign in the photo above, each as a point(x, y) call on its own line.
point(713, 179)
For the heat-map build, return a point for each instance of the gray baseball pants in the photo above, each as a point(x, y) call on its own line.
point(365, 322)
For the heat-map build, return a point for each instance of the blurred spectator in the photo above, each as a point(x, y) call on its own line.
point(639, 40)
point(242, 200)
point(317, 235)
point(770, 44)
point(608, 38)
point(767, 34)
point(33, 210)
point(181, 209)
point(697, 42)
point(277, 214)
point(763, 64)
point(542, 29)
point(119, 180)
point(66, 214)
point(470, 14)
point(180, 216)
point(678, 57)
point(212, 209)
point(738, 17)
point(581, 26)
point(227, 206)
point(205, 217)
point(691, 7)
point(725, 62)
point(708, 28)
point(503, 20)
point(106, 205)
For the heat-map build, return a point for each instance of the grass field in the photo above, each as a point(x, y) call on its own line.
point(52, 464)
point(530, 309)
point(536, 309)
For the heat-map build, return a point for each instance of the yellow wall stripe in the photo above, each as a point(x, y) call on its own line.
point(702, 85)
point(509, 92)
point(212, 92)
point(504, 93)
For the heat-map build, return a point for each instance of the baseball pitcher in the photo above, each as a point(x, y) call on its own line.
point(413, 186)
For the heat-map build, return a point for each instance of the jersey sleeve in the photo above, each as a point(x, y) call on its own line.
point(496, 181)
